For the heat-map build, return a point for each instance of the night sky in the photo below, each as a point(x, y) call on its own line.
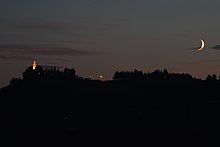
point(98, 37)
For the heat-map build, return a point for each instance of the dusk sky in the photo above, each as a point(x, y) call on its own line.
point(98, 37)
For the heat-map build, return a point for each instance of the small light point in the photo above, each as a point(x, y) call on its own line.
point(34, 65)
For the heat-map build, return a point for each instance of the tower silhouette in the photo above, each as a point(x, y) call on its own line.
point(34, 65)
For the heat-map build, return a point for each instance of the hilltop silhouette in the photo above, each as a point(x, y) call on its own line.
point(53, 102)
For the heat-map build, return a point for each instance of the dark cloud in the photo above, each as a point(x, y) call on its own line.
point(4, 57)
point(16, 47)
point(194, 48)
point(45, 50)
point(217, 47)
point(40, 31)
point(204, 61)
point(43, 26)
point(55, 61)
point(34, 26)
point(83, 28)
point(60, 51)
point(54, 26)
point(47, 64)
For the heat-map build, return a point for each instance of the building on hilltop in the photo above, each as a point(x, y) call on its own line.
point(36, 71)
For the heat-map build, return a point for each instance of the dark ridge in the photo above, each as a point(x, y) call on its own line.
point(52, 103)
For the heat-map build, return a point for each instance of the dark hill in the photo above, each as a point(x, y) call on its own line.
point(53, 103)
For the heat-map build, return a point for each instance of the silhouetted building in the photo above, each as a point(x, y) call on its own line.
point(34, 65)
point(38, 71)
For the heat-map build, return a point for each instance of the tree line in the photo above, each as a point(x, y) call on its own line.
point(54, 73)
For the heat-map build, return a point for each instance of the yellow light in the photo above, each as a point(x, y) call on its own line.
point(34, 65)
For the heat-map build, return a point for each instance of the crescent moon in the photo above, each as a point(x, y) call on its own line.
point(202, 45)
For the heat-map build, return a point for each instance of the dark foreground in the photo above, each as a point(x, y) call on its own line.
point(158, 112)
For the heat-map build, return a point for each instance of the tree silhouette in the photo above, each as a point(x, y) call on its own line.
point(212, 77)
point(14, 81)
point(155, 75)
point(49, 101)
